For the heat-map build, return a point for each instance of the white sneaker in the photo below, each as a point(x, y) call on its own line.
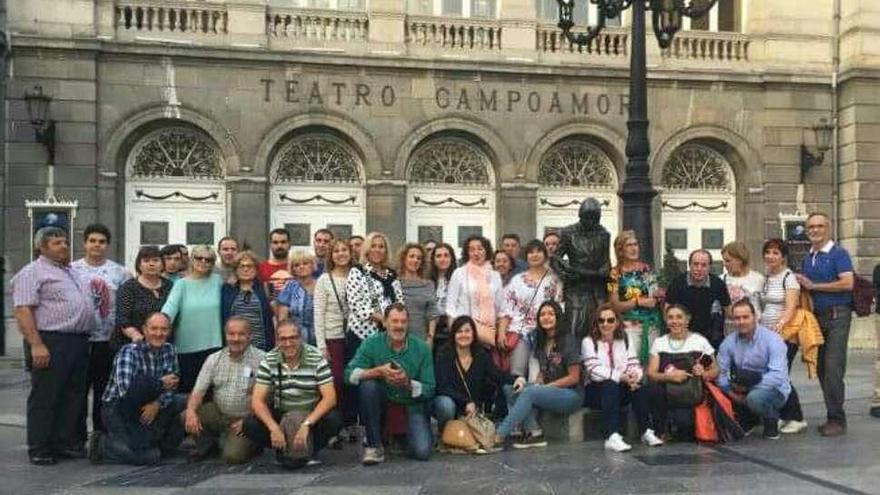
point(615, 442)
point(650, 439)
point(793, 426)
point(373, 456)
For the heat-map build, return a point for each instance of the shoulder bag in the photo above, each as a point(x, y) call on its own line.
point(482, 428)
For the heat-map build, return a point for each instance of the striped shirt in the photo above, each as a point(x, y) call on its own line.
point(299, 385)
point(248, 306)
point(232, 380)
point(60, 299)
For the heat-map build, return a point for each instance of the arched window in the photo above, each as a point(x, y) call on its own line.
point(696, 167)
point(316, 157)
point(575, 162)
point(176, 152)
point(451, 161)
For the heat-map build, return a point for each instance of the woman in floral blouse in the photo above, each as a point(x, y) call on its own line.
point(632, 289)
point(297, 300)
point(518, 305)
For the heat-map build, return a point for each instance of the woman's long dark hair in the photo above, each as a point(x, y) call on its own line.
point(435, 274)
point(596, 334)
point(540, 332)
point(457, 325)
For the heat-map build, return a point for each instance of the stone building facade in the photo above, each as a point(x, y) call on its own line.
point(183, 120)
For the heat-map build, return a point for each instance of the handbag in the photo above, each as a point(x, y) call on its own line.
point(688, 393)
point(482, 428)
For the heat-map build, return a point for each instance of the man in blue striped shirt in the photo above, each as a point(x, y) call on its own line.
point(754, 369)
point(141, 409)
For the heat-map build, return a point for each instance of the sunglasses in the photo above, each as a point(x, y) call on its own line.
point(608, 320)
point(204, 259)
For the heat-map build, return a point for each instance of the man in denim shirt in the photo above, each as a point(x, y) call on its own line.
point(828, 276)
point(754, 350)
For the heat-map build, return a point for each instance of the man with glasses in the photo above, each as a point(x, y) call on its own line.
point(704, 294)
point(827, 273)
point(293, 401)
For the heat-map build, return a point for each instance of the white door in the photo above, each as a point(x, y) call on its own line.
point(304, 208)
point(173, 212)
point(693, 221)
point(451, 216)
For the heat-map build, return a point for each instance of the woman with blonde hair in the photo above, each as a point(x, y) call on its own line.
point(632, 291)
point(243, 295)
point(742, 282)
point(372, 286)
point(194, 307)
point(418, 292)
point(297, 300)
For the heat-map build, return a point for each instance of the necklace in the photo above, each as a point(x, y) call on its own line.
point(680, 345)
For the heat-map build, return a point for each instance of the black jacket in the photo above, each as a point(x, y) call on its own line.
point(483, 378)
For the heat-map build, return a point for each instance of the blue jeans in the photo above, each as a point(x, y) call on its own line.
point(444, 409)
point(610, 397)
point(835, 325)
point(524, 406)
point(128, 441)
point(765, 403)
point(372, 401)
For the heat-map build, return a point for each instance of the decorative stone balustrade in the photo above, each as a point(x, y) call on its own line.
point(449, 33)
point(317, 25)
point(709, 46)
point(154, 16)
point(611, 42)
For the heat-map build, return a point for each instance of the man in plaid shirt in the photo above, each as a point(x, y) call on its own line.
point(141, 409)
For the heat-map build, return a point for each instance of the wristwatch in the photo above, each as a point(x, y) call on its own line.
point(307, 423)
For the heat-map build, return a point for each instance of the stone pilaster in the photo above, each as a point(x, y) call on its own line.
point(248, 213)
point(517, 205)
point(386, 211)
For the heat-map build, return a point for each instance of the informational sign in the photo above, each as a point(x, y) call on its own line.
point(794, 232)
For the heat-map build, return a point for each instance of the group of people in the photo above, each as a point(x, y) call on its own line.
point(304, 349)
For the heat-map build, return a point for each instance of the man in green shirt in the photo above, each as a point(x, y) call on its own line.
point(394, 367)
point(293, 400)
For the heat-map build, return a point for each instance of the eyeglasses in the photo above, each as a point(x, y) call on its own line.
point(289, 338)
point(204, 259)
point(608, 320)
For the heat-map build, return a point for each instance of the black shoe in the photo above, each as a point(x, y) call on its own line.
point(95, 453)
point(78, 452)
point(43, 460)
point(771, 429)
point(530, 441)
point(875, 411)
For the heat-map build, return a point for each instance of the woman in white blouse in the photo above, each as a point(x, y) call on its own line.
point(474, 288)
point(442, 266)
point(614, 378)
point(331, 310)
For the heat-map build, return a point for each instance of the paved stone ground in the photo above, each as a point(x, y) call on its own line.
point(799, 464)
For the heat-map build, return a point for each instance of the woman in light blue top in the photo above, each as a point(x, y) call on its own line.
point(194, 307)
point(297, 300)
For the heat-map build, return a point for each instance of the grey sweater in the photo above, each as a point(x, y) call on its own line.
point(421, 301)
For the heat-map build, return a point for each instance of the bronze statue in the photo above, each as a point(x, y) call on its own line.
point(583, 265)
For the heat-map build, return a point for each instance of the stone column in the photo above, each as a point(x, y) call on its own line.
point(859, 142)
point(386, 211)
point(784, 34)
point(518, 28)
point(387, 19)
point(247, 23)
point(518, 206)
point(247, 204)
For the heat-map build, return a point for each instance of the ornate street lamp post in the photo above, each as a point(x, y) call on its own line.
point(637, 192)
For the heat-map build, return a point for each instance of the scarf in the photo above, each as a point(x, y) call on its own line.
point(482, 303)
point(387, 281)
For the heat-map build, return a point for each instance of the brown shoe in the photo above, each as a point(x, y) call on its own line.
point(832, 429)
